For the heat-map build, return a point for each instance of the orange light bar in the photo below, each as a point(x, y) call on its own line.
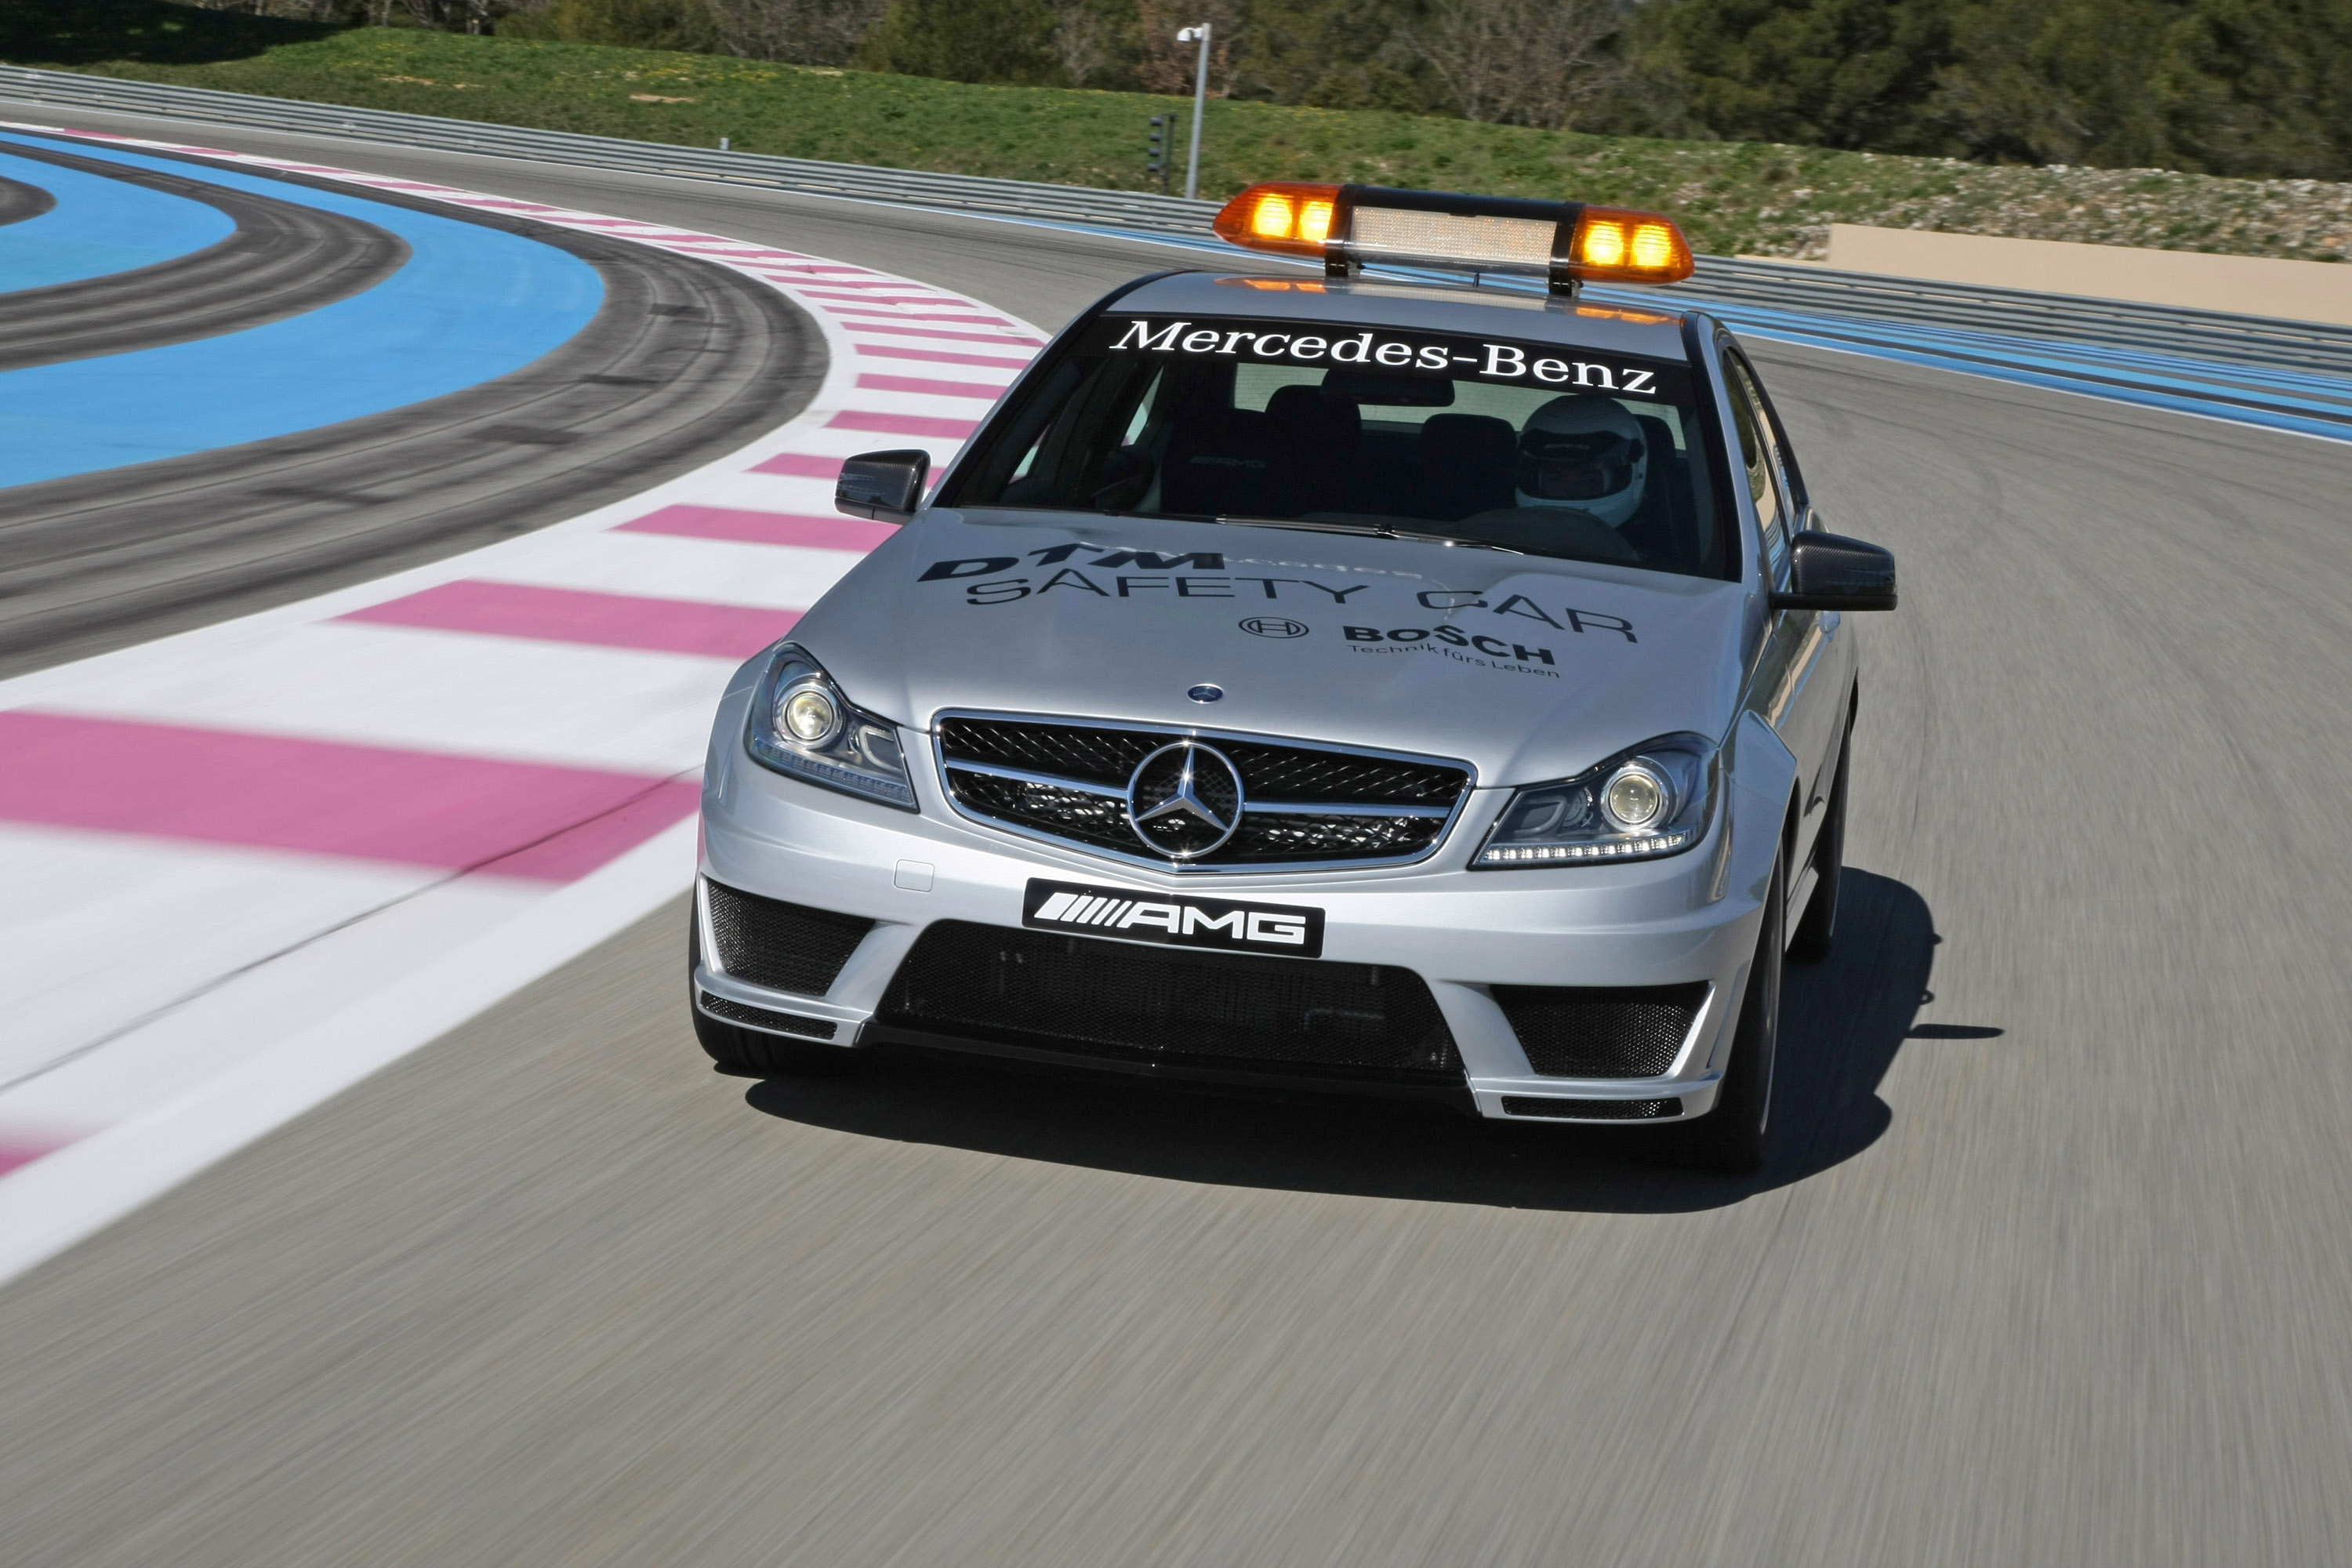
point(1349, 226)
point(1280, 216)
point(1615, 245)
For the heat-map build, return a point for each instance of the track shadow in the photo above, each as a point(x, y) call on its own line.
point(1844, 1022)
point(91, 32)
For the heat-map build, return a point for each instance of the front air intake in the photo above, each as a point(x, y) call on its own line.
point(765, 1018)
point(1592, 1109)
point(1088, 998)
point(1602, 1031)
point(780, 946)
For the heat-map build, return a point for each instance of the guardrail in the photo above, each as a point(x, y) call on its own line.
point(2254, 361)
point(963, 193)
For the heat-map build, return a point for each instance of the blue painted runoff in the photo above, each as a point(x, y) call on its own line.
point(99, 226)
point(471, 304)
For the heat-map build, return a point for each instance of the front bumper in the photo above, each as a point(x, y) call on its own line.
point(1684, 920)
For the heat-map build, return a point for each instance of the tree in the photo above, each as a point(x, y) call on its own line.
point(802, 32)
point(1530, 62)
point(1166, 66)
point(965, 40)
point(1836, 73)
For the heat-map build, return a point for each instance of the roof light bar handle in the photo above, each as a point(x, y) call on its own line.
point(1338, 261)
point(1558, 279)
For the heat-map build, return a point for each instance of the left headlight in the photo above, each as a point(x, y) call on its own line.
point(1642, 802)
point(802, 725)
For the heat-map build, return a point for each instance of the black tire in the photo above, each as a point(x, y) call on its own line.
point(1736, 1136)
point(1816, 930)
point(752, 1053)
point(723, 1043)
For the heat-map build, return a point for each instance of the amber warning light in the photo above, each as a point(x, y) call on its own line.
point(1567, 243)
point(1293, 219)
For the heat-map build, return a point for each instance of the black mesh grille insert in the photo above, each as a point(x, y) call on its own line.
point(1105, 756)
point(1616, 1032)
point(1086, 996)
point(1592, 1110)
point(1271, 775)
point(762, 1018)
point(1093, 820)
point(1281, 838)
point(784, 947)
point(1291, 772)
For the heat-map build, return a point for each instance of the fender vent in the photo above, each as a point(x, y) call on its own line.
point(1597, 1032)
point(780, 946)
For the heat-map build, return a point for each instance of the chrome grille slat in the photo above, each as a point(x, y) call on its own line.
point(1306, 805)
point(1342, 808)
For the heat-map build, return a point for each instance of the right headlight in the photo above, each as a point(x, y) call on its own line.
point(1650, 800)
point(802, 725)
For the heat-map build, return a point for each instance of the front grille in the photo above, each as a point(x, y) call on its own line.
point(763, 1018)
point(1086, 996)
point(1306, 805)
point(1611, 1032)
point(1592, 1110)
point(781, 946)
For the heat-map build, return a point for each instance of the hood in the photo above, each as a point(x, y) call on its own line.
point(1526, 668)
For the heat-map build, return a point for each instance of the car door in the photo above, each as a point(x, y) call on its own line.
point(1794, 685)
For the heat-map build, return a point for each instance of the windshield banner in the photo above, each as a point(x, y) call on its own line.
point(1386, 351)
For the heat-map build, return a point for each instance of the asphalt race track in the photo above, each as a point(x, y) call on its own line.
point(2052, 1268)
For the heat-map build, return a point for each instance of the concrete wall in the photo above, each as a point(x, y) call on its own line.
point(2299, 291)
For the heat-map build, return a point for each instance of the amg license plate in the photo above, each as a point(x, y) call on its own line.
point(1173, 918)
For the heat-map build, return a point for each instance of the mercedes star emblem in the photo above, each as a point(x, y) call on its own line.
point(1184, 800)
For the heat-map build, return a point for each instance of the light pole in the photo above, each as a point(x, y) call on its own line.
point(1200, 100)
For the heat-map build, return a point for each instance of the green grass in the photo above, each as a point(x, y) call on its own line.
point(1732, 197)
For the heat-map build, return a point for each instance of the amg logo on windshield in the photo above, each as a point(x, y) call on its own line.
point(1171, 919)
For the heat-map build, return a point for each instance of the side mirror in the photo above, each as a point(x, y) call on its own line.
point(885, 486)
point(1830, 573)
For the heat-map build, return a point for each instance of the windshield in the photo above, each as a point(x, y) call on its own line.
point(1529, 446)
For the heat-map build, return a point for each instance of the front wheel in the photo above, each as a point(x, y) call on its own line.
point(1736, 1136)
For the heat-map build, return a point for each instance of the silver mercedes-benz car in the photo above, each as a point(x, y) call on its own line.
point(1409, 688)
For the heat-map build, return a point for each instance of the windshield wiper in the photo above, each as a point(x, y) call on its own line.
point(1454, 540)
point(1367, 530)
point(1372, 530)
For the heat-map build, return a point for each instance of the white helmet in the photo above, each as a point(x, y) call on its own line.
point(1583, 452)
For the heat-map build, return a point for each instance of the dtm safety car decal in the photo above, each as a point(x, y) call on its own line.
point(1173, 919)
point(1260, 342)
point(978, 575)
